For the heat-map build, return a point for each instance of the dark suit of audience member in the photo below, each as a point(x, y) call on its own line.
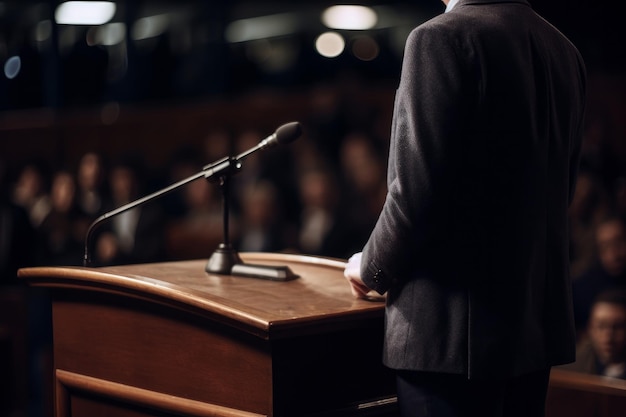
point(471, 245)
point(262, 223)
point(62, 232)
point(608, 272)
point(364, 188)
point(324, 230)
point(91, 187)
point(136, 235)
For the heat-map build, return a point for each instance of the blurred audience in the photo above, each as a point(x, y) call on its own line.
point(590, 204)
point(319, 197)
point(292, 198)
point(603, 351)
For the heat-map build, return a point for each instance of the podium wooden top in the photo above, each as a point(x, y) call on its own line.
point(319, 298)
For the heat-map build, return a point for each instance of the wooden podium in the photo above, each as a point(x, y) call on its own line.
point(169, 339)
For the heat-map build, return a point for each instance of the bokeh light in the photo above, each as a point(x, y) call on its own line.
point(330, 44)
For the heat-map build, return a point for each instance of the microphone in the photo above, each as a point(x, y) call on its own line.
point(286, 133)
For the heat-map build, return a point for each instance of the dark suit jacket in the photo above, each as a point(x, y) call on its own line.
point(472, 243)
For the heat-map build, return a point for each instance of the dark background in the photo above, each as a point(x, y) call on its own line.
point(191, 65)
point(155, 96)
point(191, 60)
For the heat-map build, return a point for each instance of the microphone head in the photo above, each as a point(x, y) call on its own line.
point(288, 132)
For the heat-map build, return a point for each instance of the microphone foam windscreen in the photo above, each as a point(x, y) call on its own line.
point(288, 132)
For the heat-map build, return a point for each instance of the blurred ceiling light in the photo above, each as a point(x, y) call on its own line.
point(365, 48)
point(273, 56)
point(349, 17)
point(43, 31)
point(12, 67)
point(110, 34)
point(84, 12)
point(150, 27)
point(330, 44)
point(261, 27)
point(68, 36)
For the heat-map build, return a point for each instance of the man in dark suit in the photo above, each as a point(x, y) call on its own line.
point(471, 246)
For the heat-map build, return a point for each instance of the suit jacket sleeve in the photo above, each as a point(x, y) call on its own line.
point(429, 105)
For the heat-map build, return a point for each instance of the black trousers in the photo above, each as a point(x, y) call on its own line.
point(422, 394)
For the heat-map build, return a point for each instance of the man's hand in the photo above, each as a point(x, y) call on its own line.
point(353, 275)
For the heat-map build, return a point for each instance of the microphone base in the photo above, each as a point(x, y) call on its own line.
point(226, 261)
point(269, 272)
point(222, 260)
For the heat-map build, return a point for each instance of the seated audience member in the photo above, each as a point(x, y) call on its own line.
point(603, 351)
point(274, 167)
point(609, 271)
point(183, 163)
point(136, 235)
point(589, 206)
point(16, 234)
point(31, 191)
point(365, 188)
point(61, 233)
point(262, 221)
point(324, 229)
point(90, 185)
point(198, 231)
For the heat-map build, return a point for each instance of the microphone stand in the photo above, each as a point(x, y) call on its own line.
point(225, 259)
point(225, 256)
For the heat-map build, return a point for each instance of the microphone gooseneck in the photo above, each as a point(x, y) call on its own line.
point(222, 168)
point(97, 222)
